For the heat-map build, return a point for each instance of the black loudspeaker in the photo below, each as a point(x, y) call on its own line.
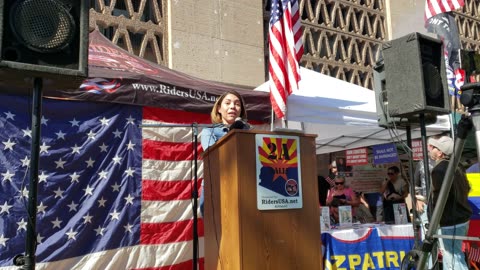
point(382, 104)
point(415, 76)
point(44, 38)
point(381, 98)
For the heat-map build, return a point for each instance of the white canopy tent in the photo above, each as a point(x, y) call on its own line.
point(343, 115)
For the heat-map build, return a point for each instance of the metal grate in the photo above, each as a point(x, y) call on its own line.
point(42, 25)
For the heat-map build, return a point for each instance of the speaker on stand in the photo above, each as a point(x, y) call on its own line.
point(44, 38)
point(415, 76)
point(411, 84)
point(41, 39)
point(384, 118)
point(416, 81)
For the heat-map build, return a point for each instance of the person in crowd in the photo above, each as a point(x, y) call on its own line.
point(333, 173)
point(362, 211)
point(421, 197)
point(394, 190)
point(344, 195)
point(342, 167)
point(456, 215)
point(326, 183)
point(421, 193)
point(323, 187)
point(225, 111)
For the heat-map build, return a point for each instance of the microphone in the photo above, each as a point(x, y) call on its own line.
point(238, 124)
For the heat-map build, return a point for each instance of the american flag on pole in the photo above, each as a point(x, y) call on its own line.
point(111, 195)
point(440, 20)
point(286, 49)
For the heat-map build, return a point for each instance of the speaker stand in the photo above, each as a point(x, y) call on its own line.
point(27, 261)
point(415, 220)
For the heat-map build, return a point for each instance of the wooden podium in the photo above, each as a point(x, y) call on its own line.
point(237, 234)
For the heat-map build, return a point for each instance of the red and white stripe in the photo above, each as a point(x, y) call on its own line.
point(167, 181)
point(286, 49)
point(474, 254)
point(330, 181)
point(434, 7)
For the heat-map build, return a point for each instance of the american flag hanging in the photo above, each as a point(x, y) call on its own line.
point(434, 7)
point(440, 20)
point(111, 195)
point(286, 49)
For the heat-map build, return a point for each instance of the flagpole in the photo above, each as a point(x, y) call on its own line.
point(285, 51)
point(272, 120)
point(195, 195)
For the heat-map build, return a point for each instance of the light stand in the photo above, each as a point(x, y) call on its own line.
point(463, 128)
point(470, 100)
point(194, 127)
point(27, 261)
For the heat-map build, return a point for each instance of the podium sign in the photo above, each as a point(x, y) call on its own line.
point(279, 181)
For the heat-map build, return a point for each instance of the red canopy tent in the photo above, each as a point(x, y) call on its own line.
point(118, 76)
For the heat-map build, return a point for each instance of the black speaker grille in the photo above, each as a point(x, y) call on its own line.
point(42, 25)
point(415, 76)
point(433, 84)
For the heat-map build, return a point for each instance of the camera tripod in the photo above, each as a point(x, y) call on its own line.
point(417, 257)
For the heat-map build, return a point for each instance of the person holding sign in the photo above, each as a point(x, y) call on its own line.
point(394, 190)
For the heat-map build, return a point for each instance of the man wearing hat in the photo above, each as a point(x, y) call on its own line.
point(456, 215)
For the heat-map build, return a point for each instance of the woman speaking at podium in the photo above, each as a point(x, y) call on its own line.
point(228, 112)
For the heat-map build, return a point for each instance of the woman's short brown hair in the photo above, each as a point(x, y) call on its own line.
point(217, 117)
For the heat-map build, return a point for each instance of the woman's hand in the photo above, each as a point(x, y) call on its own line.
point(420, 205)
point(383, 186)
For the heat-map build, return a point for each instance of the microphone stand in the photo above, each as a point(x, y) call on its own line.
point(194, 127)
